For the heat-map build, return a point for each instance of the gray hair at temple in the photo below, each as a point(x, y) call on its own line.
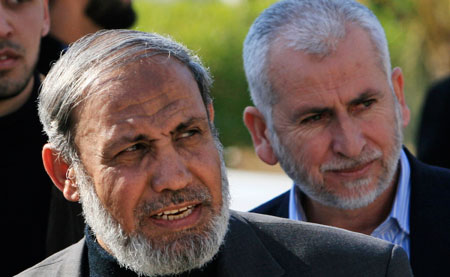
point(94, 57)
point(312, 26)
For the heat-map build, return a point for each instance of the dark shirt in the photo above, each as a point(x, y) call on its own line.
point(101, 263)
point(50, 52)
point(27, 186)
point(434, 129)
point(65, 224)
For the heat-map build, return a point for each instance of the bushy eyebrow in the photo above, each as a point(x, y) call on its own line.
point(127, 139)
point(310, 109)
point(367, 94)
point(188, 123)
point(123, 141)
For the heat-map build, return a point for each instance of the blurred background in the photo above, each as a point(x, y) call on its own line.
point(418, 32)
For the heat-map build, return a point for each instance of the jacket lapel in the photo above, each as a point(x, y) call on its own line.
point(243, 254)
point(429, 221)
point(73, 261)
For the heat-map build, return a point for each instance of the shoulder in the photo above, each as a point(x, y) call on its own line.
point(429, 214)
point(438, 96)
point(325, 249)
point(304, 233)
point(278, 206)
point(66, 262)
point(429, 179)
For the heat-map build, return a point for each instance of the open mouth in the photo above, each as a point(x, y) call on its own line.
point(175, 214)
point(8, 59)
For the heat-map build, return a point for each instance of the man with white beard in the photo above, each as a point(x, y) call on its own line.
point(130, 124)
point(331, 110)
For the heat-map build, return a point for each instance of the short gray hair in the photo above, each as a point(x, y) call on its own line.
point(94, 57)
point(312, 26)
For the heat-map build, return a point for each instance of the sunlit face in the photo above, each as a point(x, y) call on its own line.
point(337, 123)
point(22, 24)
point(145, 141)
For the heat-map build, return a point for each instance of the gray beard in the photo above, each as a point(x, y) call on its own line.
point(318, 191)
point(8, 88)
point(152, 257)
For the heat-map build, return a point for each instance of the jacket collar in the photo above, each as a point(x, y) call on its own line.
point(242, 254)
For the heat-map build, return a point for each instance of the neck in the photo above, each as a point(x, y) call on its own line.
point(363, 220)
point(11, 105)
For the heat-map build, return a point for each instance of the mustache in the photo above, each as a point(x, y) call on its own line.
point(167, 198)
point(9, 44)
point(341, 163)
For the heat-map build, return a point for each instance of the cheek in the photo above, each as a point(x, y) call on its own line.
point(381, 132)
point(30, 37)
point(205, 165)
point(120, 193)
point(310, 151)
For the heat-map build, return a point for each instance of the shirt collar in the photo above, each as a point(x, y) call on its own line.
point(400, 208)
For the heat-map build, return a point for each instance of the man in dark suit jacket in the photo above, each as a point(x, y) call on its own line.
point(331, 110)
point(130, 124)
point(428, 217)
point(434, 130)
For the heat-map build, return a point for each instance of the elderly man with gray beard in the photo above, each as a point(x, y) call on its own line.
point(331, 110)
point(129, 120)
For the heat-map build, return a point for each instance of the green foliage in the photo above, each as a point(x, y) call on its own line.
point(215, 30)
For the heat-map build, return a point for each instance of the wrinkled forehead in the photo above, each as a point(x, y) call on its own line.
point(139, 76)
point(156, 80)
point(354, 49)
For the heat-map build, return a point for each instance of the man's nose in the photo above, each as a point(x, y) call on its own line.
point(170, 171)
point(5, 24)
point(347, 137)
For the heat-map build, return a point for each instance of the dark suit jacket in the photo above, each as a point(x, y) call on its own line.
point(434, 130)
point(429, 218)
point(259, 245)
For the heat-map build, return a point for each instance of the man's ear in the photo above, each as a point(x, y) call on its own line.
point(257, 127)
point(398, 86)
point(61, 173)
point(46, 15)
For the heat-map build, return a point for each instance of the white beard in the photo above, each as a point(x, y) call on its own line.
point(189, 250)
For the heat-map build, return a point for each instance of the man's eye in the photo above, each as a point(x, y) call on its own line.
point(368, 103)
point(188, 133)
point(311, 119)
point(16, 2)
point(134, 148)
